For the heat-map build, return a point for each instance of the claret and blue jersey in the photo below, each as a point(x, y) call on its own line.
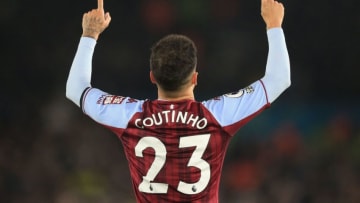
point(175, 149)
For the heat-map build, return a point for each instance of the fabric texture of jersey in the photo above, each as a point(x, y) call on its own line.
point(175, 149)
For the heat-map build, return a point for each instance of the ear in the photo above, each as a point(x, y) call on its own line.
point(152, 78)
point(194, 78)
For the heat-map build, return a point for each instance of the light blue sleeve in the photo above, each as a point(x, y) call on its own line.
point(235, 107)
point(80, 72)
point(277, 73)
point(110, 110)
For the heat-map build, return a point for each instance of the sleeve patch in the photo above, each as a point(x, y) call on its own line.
point(241, 92)
point(113, 99)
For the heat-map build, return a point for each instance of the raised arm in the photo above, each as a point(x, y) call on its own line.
point(277, 73)
point(94, 23)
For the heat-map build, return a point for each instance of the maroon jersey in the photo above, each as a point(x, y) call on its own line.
point(175, 149)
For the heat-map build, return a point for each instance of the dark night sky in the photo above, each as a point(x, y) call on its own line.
point(40, 38)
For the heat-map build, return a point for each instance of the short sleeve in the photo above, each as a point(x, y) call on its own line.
point(110, 110)
point(237, 108)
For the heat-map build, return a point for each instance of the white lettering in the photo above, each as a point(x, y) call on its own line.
point(137, 123)
point(159, 121)
point(173, 116)
point(163, 117)
point(166, 115)
point(193, 120)
point(201, 124)
point(182, 117)
point(150, 123)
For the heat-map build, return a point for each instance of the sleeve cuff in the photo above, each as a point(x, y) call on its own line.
point(88, 42)
point(274, 31)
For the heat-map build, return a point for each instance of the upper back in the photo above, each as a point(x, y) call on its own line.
point(175, 149)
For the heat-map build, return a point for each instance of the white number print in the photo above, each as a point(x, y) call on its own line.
point(200, 143)
point(160, 156)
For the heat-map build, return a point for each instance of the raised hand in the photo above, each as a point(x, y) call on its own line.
point(95, 21)
point(272, 12)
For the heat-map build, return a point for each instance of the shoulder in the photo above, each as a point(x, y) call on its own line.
point(109, 109)
point(239, 105)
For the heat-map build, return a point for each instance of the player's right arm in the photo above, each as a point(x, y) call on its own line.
point(94, 23)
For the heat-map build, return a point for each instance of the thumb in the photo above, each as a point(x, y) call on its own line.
point(107, 17)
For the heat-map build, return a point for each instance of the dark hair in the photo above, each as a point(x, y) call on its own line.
point(173, 59)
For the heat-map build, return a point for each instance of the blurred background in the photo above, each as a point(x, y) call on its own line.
point(304, 149)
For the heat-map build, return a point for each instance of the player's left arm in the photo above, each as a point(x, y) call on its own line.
point(94, 23)
point(277, 74)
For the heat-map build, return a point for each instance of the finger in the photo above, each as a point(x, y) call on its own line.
point(107, 17)
point(101, 4)
point(266, 2)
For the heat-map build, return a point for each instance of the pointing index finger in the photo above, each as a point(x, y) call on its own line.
point(101, 4)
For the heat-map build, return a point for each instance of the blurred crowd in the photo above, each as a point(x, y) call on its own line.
point(305, 149)
point(321, 166)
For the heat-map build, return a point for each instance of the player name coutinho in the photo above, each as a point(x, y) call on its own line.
point(172, 116)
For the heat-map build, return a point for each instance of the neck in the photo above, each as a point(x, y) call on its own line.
point(176, 95)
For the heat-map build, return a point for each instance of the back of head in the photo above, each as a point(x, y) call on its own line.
point(173, 59)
